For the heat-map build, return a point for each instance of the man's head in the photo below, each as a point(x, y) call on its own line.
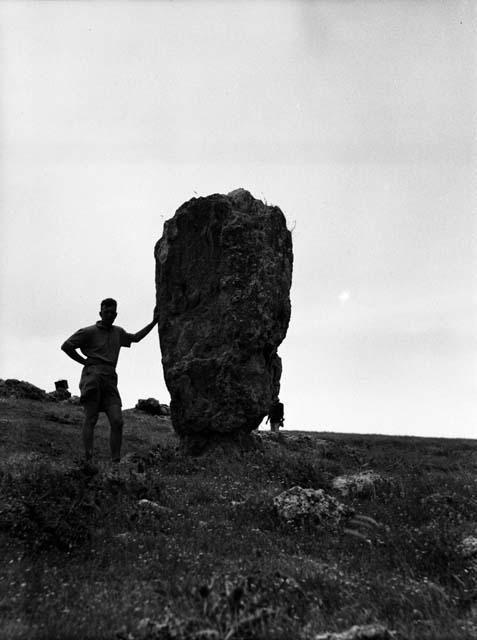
point(108, 311)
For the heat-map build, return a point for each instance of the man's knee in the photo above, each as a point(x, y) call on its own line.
point(117, 424)
point(115, 416)
point(91, 418)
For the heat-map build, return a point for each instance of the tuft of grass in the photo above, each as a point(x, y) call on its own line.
point(46, 508)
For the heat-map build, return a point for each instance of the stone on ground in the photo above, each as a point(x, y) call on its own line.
point(469, 547)
point(300, 503)
point(358, 484)
point(360, 632)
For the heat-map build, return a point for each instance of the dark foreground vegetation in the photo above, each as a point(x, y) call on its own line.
point(207, 557)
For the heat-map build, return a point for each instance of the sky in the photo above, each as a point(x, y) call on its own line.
point(357, 119)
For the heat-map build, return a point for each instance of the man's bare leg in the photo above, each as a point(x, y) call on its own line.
point(115, 417)
point(89, 423)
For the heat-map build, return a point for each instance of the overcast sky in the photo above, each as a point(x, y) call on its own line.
point(358, 119)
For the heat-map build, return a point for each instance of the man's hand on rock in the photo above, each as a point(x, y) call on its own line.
point(137, 337)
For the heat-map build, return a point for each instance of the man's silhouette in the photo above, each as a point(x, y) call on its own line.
point(101, 343)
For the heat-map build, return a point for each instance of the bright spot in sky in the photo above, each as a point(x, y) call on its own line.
point(344, 296)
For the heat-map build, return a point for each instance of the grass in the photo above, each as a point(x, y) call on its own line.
point(82, 558)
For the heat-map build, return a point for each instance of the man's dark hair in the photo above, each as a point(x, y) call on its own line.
point(108, 302)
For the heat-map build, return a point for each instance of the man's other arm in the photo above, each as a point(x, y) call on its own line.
point(70, 351)
point(137, 337)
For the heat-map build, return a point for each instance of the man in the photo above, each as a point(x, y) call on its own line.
point(101, 343)
point(275, 416)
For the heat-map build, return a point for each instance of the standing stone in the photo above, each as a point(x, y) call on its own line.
point(223, 276)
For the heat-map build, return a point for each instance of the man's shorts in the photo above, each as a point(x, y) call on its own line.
point(99, 388)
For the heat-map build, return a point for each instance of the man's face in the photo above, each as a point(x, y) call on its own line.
point(108, 315)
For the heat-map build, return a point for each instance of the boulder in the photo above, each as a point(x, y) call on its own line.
point(156, 508)
point(149, 405)
point(223, 276)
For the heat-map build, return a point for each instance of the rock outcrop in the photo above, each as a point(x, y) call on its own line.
point(223, 276)
point(21, 390)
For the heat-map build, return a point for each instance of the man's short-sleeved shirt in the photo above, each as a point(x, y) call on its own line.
point(101, 344)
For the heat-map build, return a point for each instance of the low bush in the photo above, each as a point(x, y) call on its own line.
point(46, 508)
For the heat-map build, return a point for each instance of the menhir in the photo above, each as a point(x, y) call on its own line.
point(223, 276)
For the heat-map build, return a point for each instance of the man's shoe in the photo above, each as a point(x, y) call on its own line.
point(88, 468)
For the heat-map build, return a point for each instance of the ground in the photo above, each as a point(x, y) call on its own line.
point(194, 548)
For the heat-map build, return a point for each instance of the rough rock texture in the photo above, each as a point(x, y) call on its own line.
point(300, 503)
point(469, 547)
point(223, 276)
point(153, 407)
point(364, 483)
point(22, 390)
point(59, 394)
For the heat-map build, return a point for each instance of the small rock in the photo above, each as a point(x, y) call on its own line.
point(298, 503)
point(124, 537)
point(123, 634)
point(469, 546)
point(358, 484)
point(149, 628)
point(154, 506)
point(360, 632)
point(144, 623)
point(63, 419)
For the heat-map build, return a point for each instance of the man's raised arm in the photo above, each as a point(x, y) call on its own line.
point(137, 337)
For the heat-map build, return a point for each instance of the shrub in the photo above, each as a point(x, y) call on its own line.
point(48, 508)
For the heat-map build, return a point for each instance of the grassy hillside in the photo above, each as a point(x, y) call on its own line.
point(208, 557)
